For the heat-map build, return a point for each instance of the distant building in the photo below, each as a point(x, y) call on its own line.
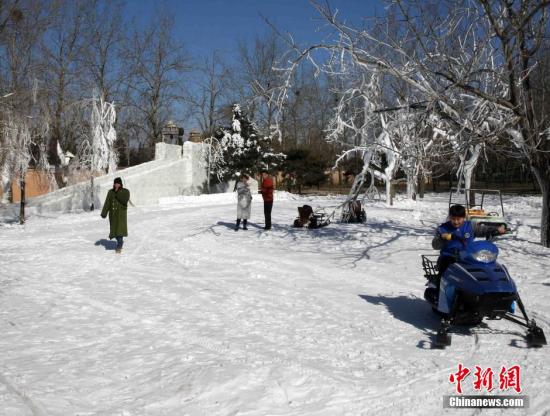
point(195, 137)
point(172, 134)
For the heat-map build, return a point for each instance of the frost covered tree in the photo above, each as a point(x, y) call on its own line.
point(388, 140)
point(520, 29)
point(467, 65)
point(212, 159)
point(8, 159)
point(103, 117)
point(97, 152)
point(19, 137)
point(243, 148)
point(353, 125)
point(19, 149)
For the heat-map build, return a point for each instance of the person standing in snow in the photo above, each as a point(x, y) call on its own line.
point(267, 194)
point(116, 205)
point(244, 201)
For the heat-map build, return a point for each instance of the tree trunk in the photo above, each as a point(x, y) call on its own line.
point(421, 187)
point(92, 192)
point(22, 203)
point(472, 196)
point(468, 165)
point(128, 152)
point(412, 186)
point(6, 190)
point(545, 215)
point(390, 191)
point(542, 174)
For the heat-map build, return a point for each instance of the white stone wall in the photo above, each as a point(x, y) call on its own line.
point(175, 171)
point(165, 151)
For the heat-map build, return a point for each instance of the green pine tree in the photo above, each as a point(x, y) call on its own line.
point(244, 148)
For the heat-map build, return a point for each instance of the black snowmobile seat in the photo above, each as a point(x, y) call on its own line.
point(305, 213)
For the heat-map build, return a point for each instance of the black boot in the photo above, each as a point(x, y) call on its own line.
point(237, 225)
point(244, 225)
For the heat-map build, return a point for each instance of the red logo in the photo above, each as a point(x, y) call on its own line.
point(483, 379)
point(457, 377)
point(508, 378)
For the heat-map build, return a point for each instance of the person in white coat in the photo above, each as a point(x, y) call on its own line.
point(244, 201)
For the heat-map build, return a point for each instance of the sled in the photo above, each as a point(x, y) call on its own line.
point(352, 212)
point(310, 219)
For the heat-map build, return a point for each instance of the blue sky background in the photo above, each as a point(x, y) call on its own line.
point(207, 25)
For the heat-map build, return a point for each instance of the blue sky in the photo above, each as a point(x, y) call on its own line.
point(208, 25)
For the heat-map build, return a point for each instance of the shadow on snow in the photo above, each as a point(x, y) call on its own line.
point(412, 311)
point(108, 244)
point(417, 312)
point(231, 225)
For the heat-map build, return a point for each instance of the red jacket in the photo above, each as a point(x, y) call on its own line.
point(267, 189)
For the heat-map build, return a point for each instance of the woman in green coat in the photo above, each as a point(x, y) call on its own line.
point(116, 204)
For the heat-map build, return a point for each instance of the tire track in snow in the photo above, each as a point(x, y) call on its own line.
point(34, 407)
point(205, 343)
point(248, 356)
point(395, 391)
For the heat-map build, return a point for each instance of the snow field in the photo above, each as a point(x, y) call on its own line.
point(197, 319)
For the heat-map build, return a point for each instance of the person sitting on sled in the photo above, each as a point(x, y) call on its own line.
point(455, 234)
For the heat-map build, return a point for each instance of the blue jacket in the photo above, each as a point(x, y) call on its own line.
point(461, 237)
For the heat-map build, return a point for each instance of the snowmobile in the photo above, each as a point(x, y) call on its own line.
point(483, 206)
point(474, 288)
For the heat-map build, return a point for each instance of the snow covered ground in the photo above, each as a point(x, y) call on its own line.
point(197, 319)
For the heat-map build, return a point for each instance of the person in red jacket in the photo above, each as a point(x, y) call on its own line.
point(267, 194)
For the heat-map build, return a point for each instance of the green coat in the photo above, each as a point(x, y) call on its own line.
point(116, 204)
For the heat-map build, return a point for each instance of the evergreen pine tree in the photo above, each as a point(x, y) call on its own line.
point(243, 148)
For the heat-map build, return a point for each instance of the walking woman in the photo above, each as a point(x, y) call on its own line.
point(116, 205)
